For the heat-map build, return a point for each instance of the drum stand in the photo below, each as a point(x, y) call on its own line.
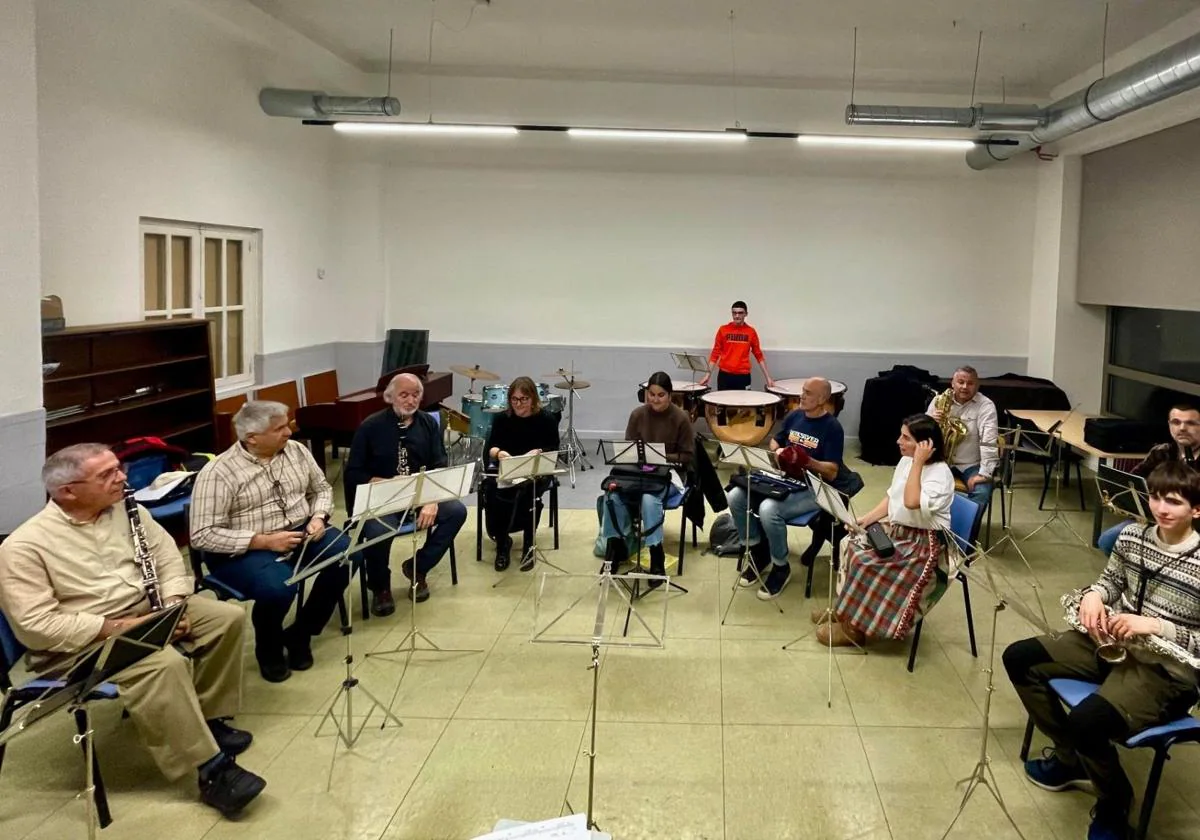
point(573, 446)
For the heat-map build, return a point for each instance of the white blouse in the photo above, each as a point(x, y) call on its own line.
point(937, 493)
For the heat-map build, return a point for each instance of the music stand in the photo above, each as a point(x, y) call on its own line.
point(981, 774)
point(529, 468)
point(641, 454)
point(423, 488)
point(1123, 492)
point(1047, 444)
point(748, 458)
point(690, 362)
point(378, 499)
point(80, 675)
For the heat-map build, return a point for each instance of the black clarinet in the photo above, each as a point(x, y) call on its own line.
point(141, 553)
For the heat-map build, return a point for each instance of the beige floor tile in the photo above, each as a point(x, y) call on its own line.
point(21, 815)
point(655, 780)
point(481, 771)
point(799, 782)
point(883, 693)
point(916, 770)
point(521, 680)
point(680, 683)
point(763, 684)
point(428, 683)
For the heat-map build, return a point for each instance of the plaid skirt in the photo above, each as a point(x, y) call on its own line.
point(880, 597)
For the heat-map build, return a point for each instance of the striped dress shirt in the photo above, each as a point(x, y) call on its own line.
point(237, 495)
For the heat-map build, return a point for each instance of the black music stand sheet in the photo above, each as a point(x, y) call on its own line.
point(1124, 491)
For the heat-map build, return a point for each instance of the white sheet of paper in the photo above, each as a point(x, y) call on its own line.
point(572, 827)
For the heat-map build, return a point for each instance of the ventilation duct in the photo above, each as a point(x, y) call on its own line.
point(317, 105)
point(985, 116)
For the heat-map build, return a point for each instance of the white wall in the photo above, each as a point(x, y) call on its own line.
point(20, 335)
point(831, 253)
point(150, 109)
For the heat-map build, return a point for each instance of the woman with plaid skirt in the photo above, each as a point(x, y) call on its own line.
point(879, 597)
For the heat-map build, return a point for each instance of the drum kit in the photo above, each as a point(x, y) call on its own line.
point(686, 395)
point(571, 446)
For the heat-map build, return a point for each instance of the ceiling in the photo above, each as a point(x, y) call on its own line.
point(913, 45)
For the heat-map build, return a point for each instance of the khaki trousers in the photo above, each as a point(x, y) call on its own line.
point(170, 695)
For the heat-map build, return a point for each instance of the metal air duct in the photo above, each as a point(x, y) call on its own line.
point(317, 105)
point(984, 116)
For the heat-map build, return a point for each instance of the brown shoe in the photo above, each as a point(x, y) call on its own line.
point(420, 593)
point(822, 615)
point(837, 635)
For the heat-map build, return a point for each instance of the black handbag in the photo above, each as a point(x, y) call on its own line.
point(632, 482)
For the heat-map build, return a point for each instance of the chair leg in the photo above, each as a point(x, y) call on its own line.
point(362, 594)
point(479, 525)
point(970, 617)
point(300, 596)
point(554, 512)
point(1027, 740)
point(1143, 826)
point(453, 567)
point(1047, 469)
point(343, 615)
point(103, 816)
point(912, 651)
point(808, 579)
point(987, 534)
point(1079, 481)
point(682, 539)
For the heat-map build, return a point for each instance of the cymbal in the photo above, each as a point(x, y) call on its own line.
point(577, 385)
point(563, 373)
point(476, 373)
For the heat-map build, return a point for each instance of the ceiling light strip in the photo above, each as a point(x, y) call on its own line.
point(656, 134)
point(910, 143)
point(425, 128)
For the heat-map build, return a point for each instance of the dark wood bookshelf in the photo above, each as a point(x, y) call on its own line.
point(127, 380)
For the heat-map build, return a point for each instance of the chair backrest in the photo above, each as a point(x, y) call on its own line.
point(965, 519)
point(321, 387)
point(11, 651)
point(283, 392)
point(230, 405)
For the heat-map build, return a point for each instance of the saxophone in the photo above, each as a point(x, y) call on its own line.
point(954, 430)
point(141, 553)
point(1114, 652)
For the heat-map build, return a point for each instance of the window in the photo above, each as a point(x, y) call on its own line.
point(194, 271)
point(1153, 361)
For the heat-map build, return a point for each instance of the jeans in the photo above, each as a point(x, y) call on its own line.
point(982, 494)
point(1108, 539)
point(652, 517)
point(261, 576)
point(450, 518)
point(771, 521)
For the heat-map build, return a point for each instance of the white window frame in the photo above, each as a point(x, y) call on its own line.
point(198, 308)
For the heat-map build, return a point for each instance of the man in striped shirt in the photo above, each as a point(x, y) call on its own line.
point(1150, 587)
point(259, 509)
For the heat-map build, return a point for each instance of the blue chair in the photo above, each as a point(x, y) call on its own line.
point(966, 517)
point(11, 651)
point(1158, 738)
point(804, 520)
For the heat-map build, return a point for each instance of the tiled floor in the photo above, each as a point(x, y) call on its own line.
point(721, 734)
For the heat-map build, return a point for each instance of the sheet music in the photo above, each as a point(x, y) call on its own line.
point(573, 827)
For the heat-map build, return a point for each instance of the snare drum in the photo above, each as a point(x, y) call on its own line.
point(686, 395)
point(788, 390)
point(555, 404)
point(744, 417)
point(481, 421)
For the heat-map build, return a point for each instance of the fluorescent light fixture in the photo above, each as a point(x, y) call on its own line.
point(423, 128)
point(912, 143)
point(652, 134)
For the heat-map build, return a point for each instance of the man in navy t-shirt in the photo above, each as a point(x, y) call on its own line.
point(819, 434)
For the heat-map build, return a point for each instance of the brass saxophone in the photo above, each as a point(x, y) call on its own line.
point(141, 553)
point(954, 430)
point(1114, 652)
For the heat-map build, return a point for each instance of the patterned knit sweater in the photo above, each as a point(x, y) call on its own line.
point(1172, 594)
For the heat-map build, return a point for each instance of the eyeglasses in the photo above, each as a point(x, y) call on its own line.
point(520, 398)
point(277, 489)
point(99, 478)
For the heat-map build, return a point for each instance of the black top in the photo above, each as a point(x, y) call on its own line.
point(518, 435)
point(381, 445)
point(1164, 453)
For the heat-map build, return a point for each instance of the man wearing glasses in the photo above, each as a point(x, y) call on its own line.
point(733, 346)
point(69, 578)
point(259, 509)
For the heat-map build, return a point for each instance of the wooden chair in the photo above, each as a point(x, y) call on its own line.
point(321, 387)
point(287, 393)
point(223, 417)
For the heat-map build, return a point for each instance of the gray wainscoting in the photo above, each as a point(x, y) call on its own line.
point(23, 442)
point(614, 372)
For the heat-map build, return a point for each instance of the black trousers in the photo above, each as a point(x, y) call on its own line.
point(507, 509)
point(732, 381)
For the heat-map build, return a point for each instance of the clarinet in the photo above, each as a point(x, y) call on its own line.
point(141, 553)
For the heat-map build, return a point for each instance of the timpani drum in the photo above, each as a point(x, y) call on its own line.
point(686, 395)
point(788, 390)
point(744, 417)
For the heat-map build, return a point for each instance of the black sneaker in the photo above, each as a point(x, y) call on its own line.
point(502, 554)
point(231, 741)
point(229, 788)
point(299, 648)
point(382, 603)
point(1051, 773)
point(776, 580)
point(757, 561)
point(1109, 822)
point(274, 671)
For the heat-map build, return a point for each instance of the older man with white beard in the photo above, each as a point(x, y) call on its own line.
point(401, 440)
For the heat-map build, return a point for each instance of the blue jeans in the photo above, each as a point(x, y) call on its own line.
point(771, 521)
point(1108, 539)
point(652, 517)
point(262, 578)
point(450, 518)
point(982, 494)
